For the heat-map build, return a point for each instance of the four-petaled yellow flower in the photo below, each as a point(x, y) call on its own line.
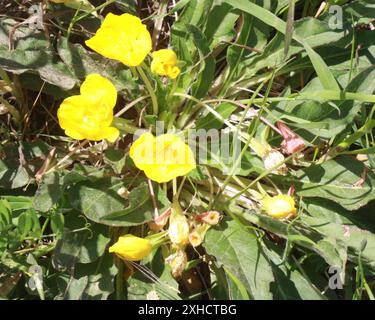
point(279, 207)
point(131, 248)
point(90, 114)
point(124, 38)
point(164, 63)
point(162, 158)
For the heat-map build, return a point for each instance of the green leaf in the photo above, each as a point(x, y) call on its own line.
point(239, 251)
point(99, 201)
point(290, 283)
point(337, 180)
point(48, 193)
point(325, 76)
point(207, 63)
point(81, 63)
point(349, 229)
point(220, 24)
point(12, 175)
point(80, 242)
point(32, 52)
point(141, 287)
point(92, 281)
point(57, 223)
point(211, 121)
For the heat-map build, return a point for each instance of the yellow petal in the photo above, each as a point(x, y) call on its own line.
point(111, 134)
point(164, 63)
point(279, 207)
point(142, 151)
point(123, 38)
point(175, 71)
point(99, 88)
point(90, 114)
point(131, 248)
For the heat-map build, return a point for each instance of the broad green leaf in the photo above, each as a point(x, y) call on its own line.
point(99, 201)
point(32, 52)
point(81, 63)
point(93, 281)
point(346, 227)
point(220, 25)
point(337, 180)
point(290, 283)
point(80, 242)
point(164, 287)
point(239, 251)
point(48, 193)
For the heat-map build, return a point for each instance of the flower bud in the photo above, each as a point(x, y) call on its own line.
point(164, 63)
point(132, 248)
point(178, 229)
point(123, 192)
point(279, 207)
point(210, 217)
point(272, 159)
point(292, 142)
point(160, 221)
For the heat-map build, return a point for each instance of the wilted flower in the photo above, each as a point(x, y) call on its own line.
point(292, 142)
point(178, 230)
point(123, 192)
point(273, 158)
point(160, 221)
point(164, 63)
point(196, 237)
point(279, 207)
point(124, 38)
point(132, 248)
point(162, 158)
point(210, 217)
point(177, 261)
point(90, 114)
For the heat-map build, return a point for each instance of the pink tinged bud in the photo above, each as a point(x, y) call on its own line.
point(210, 217)
point(291, 191)
point(292, 142)
point(160, 221)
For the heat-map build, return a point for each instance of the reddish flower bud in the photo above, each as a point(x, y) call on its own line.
point(209, 217)
point(292, 142)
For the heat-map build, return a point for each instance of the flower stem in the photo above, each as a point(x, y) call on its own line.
point(149, 89)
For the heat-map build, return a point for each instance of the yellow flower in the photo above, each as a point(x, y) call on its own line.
point(162, 158)
point(178, 230)
point(164, 63)
point(124, 38)
point(279, 207)
point(89, 115)
point(131, 248)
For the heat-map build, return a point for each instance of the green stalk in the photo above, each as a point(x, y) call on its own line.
point(150, 90)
